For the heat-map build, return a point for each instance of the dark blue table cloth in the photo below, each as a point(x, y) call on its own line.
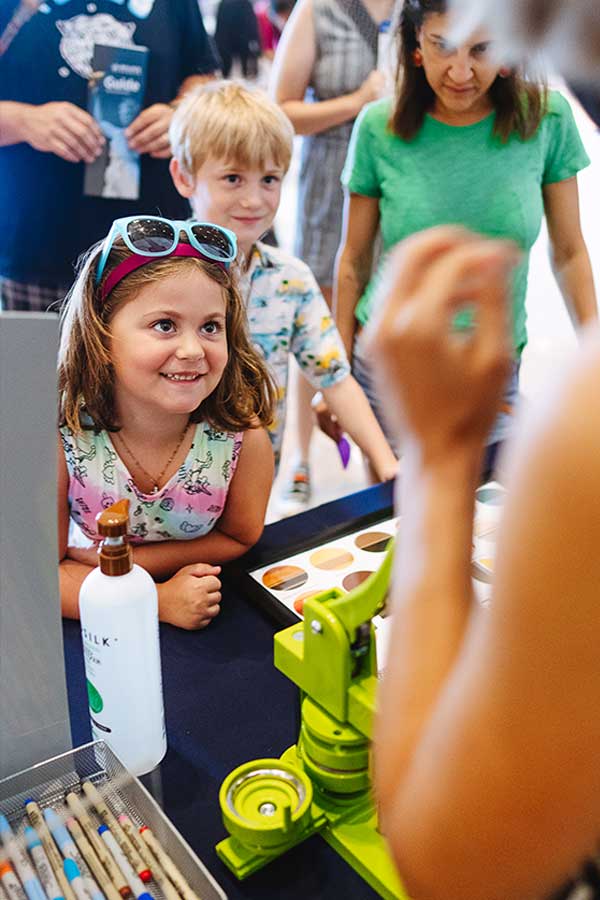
point(225, 704)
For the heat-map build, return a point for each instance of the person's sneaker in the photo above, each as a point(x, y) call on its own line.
point(295, 496)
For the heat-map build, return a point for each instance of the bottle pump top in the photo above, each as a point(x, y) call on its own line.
point(115, 553)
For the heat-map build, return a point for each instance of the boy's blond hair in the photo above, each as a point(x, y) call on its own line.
point(232, 122)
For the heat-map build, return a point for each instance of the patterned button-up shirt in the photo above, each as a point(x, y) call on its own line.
point(287, 314)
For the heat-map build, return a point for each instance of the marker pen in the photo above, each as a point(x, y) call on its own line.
point(75, 880)
point(116, 876)
point(146, 853)
point(135, 883)
point(42, 864)
point(36, 818)
point(70, 851)
point(168, 865)
point(127, 848)
point(20, 861)
point(92, 861)
point(10, 882)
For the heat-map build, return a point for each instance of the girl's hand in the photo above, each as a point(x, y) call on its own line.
point(191, 598)
point(442, 385)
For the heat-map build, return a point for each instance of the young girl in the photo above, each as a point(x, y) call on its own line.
point(163, 400)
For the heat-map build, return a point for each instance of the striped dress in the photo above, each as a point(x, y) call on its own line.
point(345, 56)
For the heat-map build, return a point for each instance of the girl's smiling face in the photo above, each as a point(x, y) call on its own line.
point(169, 345)
point(460, 76)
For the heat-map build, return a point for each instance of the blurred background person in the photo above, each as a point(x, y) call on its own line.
point(324, 72)
point(469, 141)
point(272, 16)
point(237, 39)
point(47, 134)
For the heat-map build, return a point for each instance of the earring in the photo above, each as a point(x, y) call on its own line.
point(417, 58)
point(504, 72)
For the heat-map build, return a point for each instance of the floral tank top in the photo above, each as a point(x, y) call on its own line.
point(188, 505)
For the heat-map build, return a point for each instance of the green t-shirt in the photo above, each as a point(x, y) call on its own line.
point(462, 175)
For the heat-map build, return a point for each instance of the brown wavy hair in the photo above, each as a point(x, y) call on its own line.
point(520, 103)
point(245, 396)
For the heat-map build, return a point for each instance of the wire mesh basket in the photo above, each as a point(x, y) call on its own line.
point(48, 782)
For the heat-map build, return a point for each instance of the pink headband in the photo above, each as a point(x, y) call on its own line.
point(136, 261)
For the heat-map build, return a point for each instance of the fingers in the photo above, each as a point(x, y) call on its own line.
point(149, 133)
point(205, 614)
point(210, 584)
point(201, 569)
point(73, 147)
point(145, 118)
point(75, 130)
point(163, 153)
point(213, 610)
point(154, 140)
point(438, 273)
point(87, 122)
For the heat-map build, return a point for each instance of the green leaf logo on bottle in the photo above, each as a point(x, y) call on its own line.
point(94, 698)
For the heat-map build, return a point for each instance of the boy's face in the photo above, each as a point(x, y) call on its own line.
point(244, 200)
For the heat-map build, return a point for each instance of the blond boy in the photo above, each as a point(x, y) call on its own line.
point(231, 150)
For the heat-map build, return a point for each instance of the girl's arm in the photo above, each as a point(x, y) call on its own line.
point(240, 525)
point(70, 572)
point(354, 262)
point(486, 751)
point(290, 77)
point(347, 401)
point(570, 260)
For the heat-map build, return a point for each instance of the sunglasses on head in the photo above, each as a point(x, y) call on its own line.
point(151, 237)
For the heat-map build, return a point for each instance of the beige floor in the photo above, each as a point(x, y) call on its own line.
point(551, 335)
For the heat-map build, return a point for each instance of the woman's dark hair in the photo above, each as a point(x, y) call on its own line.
point(282, 6)
point(520, 104)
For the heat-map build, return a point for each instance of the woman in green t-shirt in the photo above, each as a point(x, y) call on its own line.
point(464, 142)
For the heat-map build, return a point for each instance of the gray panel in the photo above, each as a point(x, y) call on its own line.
point(34, 722)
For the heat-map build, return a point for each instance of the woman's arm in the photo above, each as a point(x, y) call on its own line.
point(354, 262)
point(570, 260)
point(486, 752)
point(240, 525)
point(291, 74)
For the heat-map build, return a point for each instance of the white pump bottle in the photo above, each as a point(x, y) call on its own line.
point(118, 606)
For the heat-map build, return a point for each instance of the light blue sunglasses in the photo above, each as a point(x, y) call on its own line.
point(155, 236)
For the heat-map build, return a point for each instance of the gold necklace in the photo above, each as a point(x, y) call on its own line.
point(155, 481)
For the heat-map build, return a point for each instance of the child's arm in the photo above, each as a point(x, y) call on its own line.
point(347, 401)
point(240, 525)
point(317, 345)
point(191, 596)
point(70, 572)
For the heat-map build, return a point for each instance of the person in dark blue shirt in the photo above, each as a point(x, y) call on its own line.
point(47, 136)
